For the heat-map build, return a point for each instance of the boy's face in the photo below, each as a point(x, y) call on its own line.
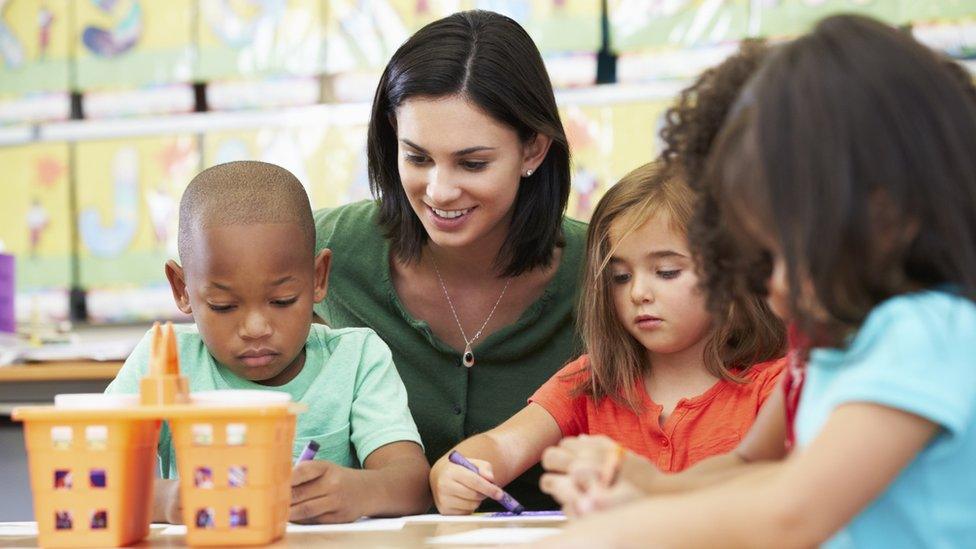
point(250, 289)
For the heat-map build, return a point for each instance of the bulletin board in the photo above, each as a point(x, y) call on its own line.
point(241, 39)
point(556, 26)
point(36, 214)
point(34, 37)
point(128, 195)
point(361, 35)
point(122, 44)
point(607, 142)
point(637, 25)
point(329, 160)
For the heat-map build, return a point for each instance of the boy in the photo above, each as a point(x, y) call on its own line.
point(248, 275)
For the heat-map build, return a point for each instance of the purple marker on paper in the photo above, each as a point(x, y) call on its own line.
point(308, 452)
point(506, 500)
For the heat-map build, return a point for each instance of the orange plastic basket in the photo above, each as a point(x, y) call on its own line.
point(92, 470)
point(235, 466)
point(91, 475)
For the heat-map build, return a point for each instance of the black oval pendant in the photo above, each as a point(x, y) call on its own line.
point(468, 359)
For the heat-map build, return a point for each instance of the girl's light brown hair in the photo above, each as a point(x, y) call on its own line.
point(744, 334)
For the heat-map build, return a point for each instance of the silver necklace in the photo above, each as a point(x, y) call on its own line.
point(467, 359)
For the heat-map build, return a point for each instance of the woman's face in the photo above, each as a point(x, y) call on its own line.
point(461, 169)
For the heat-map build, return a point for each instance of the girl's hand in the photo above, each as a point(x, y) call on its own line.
point(589, 460)
point(323, 492)
point(577, 502)
point(458, 491)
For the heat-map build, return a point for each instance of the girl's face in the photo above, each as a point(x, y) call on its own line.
point(461, 169)
point(655, 288)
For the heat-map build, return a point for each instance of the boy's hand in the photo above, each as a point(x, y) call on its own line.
point(458, 491)
point(323, 492)
point(167, 506)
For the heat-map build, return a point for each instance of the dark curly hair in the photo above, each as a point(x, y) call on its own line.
point(690, 128)
point(850, 152)
point(691, 124)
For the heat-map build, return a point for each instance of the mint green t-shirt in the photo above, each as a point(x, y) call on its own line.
point(356, 401)
point(450, 402)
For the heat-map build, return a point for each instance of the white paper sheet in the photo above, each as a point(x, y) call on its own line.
point(494, 536)
point(487, 517)
point(361, 525)
point(21, 529)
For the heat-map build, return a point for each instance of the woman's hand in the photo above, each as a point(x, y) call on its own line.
point(458, 491)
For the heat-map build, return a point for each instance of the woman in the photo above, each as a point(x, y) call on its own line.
point(464, 263)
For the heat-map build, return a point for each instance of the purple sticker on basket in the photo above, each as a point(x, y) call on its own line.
point(7, 293)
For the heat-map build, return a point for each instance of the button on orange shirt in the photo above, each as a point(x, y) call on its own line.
point(709, 424)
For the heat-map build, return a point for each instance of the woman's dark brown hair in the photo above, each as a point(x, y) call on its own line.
point(491, 61)
point(852, 152)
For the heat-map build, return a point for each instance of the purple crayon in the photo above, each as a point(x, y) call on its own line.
point(308, 452)
point(507, 501)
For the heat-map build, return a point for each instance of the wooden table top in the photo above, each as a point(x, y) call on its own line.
point(60, 371)
point(413, 534)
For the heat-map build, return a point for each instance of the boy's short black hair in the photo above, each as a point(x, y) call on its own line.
point(242, 193)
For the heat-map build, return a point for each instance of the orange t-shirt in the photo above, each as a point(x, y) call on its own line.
point(709, 424)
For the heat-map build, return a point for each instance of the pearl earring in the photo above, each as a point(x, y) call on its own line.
point(528, 173)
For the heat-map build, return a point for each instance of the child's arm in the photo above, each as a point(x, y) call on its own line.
point(501, 455)
point(392, 483)
point(574, 465)
point(799, 502)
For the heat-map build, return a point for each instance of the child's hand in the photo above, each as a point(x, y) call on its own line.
point(167, 506)
point(577, 502)
point(590, 460)
point(458, 491)
point(323, 492)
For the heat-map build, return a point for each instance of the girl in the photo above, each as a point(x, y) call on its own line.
point(849, 158)
point(690, 128)
point(662, 376)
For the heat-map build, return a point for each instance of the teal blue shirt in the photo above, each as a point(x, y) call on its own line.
point(915, 353)
point(356, 401)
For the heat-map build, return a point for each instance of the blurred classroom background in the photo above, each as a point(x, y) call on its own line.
point(109, 107)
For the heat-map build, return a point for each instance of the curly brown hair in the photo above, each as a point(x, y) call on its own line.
point(850, 153)
point(690, 128)
point(691, 124)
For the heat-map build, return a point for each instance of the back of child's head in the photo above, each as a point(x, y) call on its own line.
point(690, 128)
point(243, 193)
point(851, 154)
point(693, 122)
point(617, 359)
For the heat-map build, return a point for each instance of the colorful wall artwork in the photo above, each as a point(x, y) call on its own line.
point(128, 195)
point(132, 43)
point(36, 226)
point(34, 37)
point(239, 39)
point(330, 161)
point(607, 141)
